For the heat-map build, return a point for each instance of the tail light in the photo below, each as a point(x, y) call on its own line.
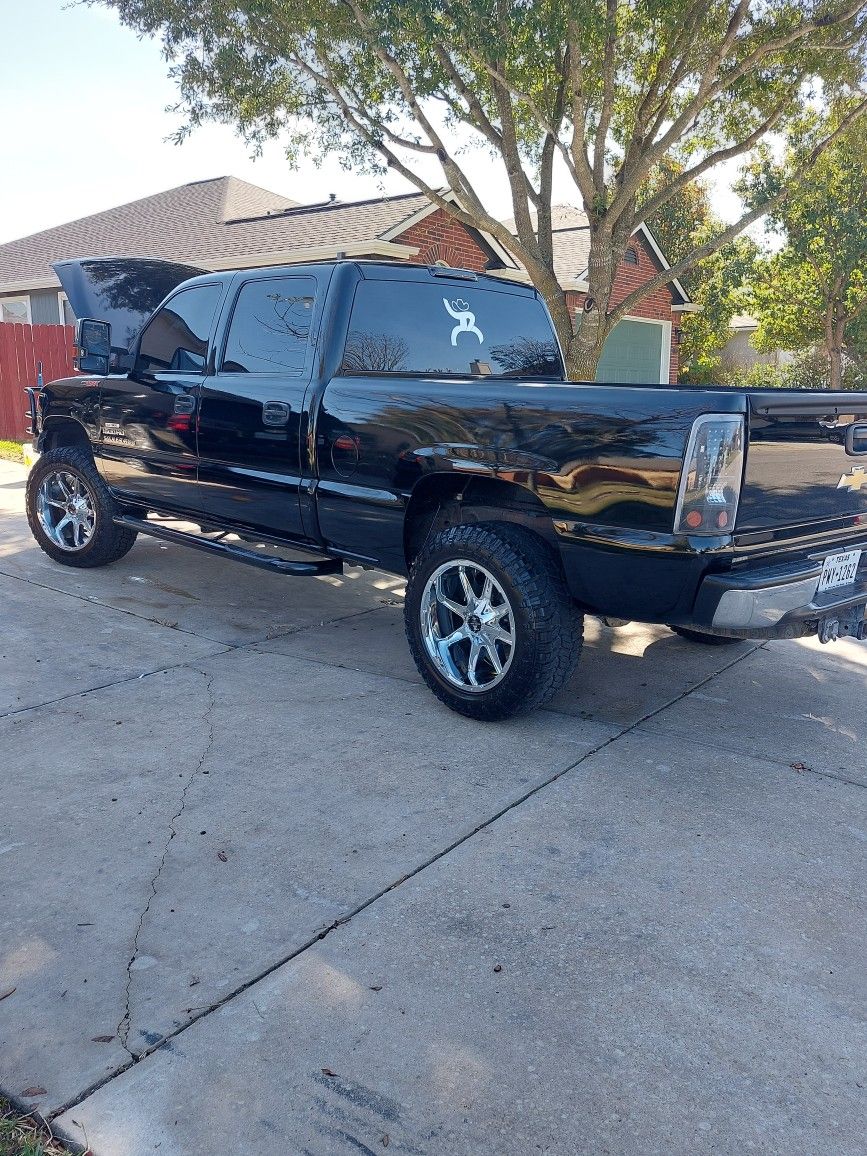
point(710, 485)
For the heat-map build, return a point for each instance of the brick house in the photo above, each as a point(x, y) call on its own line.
point(226, 223)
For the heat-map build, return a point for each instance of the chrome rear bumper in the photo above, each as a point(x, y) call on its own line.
point(779, 602)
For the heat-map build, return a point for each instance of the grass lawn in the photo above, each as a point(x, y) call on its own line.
point(22, 1136)
point(11, 452)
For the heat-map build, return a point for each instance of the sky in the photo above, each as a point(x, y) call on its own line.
point(85, 128)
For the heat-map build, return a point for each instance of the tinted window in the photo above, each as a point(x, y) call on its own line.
point(270, 327)
point(448, 328)
point(177, 338)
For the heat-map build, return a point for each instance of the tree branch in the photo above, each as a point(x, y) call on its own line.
point(660, 199)
point(607, 106)
point(666, 276)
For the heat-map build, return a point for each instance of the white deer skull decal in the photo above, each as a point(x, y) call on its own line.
point(466, 319)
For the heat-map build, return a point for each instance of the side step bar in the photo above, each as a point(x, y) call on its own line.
point(310, 569)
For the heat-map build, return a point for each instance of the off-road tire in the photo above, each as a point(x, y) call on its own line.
point(548, 627)
point(705, 639)
point(108, 541)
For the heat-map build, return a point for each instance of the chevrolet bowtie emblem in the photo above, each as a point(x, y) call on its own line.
point(853, 481)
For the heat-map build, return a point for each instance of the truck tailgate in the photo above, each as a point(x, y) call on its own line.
point(806, 461)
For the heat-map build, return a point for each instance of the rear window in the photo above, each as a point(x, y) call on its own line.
point(450, 328)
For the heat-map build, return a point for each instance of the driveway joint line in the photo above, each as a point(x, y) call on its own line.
point(224, 648)
point(672, 732)
point(182, 629)
point(106, 606)
point(208, 1009)
point(186, 662)
point(123, 1027)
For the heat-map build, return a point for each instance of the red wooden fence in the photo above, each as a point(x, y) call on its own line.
point(21, 347)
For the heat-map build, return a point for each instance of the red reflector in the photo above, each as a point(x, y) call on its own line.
point(722, 519)
point(693, 519)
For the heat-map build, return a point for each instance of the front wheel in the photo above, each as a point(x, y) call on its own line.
point(71, 511)
point(489, 620)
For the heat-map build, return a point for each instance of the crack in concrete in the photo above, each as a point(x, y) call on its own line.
point(225, 648)
point(123, 1027)
point(342, 921)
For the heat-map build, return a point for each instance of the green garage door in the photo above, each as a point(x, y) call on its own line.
point(632, 353)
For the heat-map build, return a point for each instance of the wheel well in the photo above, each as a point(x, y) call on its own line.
point(61, 431)
point(441, 500)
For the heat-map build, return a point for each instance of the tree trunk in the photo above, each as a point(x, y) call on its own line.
point(585, 347)
point(593, 325)
point(835, 331)
point(579, 366)
point(582, 338)
point(835, 359)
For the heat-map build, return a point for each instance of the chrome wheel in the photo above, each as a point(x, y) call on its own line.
point(467, 625)
point(66, 510)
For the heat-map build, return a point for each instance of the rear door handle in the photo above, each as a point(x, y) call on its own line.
point(856, 439)
point(275, 412)
point(184, 403)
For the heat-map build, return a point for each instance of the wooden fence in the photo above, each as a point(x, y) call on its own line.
point(22, 347)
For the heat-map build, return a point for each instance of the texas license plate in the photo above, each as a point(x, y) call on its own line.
point(839, 570)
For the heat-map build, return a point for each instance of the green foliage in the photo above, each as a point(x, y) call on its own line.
point(813, 292)
point(11, 451)
point(717, 284)
point(613, 90)
point(809, 369)
point(23, 1136)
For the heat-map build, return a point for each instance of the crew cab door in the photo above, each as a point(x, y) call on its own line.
point(148, 447)
point(251, 415)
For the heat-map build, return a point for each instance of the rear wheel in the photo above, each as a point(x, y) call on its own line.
point(489, 620)
point(705, 639)
point(71, 511)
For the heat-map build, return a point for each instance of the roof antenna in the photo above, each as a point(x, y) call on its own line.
point(332, 197)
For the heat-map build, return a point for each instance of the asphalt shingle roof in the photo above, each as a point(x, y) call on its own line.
point(571, 236)
point(204, 222)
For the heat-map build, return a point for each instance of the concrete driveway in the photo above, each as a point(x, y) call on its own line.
point(262, 894)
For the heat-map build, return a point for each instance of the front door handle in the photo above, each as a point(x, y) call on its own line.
point(275, 412)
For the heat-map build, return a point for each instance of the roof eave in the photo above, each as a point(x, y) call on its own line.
point(425, 211)
point(660, 256)
point(296, 256)
point(44, 282)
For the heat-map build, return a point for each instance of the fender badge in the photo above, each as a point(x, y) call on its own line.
point(853, 481)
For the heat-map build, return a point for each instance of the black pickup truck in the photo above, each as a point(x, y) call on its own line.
point(418, 420)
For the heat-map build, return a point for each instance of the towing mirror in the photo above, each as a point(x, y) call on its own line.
point(93, 345)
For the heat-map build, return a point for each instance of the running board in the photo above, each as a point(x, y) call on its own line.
point(292, 569)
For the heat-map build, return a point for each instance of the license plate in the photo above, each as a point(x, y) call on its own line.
point(839, 570)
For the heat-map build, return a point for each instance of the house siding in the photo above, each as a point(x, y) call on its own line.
point(44, 307)
point(656, 306)
point(440, 238)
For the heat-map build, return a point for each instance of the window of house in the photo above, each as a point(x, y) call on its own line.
point(631, 256)
point(452, 327)
point(176, 340)
point(67, 317)
point(15, 309)
point(270, 327)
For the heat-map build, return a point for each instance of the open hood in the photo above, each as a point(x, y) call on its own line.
point(121, 290)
